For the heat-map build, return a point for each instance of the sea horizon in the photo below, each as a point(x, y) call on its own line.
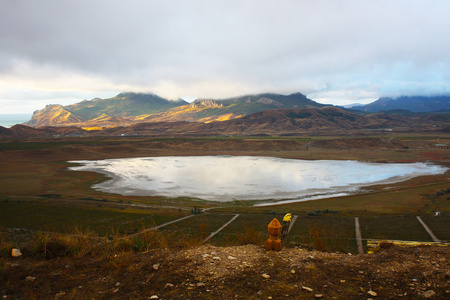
point(9, 120)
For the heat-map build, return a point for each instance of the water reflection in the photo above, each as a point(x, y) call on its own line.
point(226, 178)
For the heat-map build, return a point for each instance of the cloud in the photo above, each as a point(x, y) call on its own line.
point(225, 48)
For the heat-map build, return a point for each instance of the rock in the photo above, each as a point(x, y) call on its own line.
point(266, 276)
point(168, 285)
point(342, 280)
point(30, 278)
point(154, 297)
point(115, 290)
point(200, 284)
point(372, 293)
point(216, 258)
point(429, 294)
point(292, 271)
point(156, 266)
point(15, 252)
point(118, 283)
point(231, 257)
point(307, 289)
point(318, 296)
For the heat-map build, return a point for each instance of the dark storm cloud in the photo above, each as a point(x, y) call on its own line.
point(328, 49)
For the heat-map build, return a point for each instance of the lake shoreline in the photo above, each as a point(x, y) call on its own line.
point(268, 188)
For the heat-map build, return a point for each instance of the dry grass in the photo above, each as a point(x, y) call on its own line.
point(249, 234)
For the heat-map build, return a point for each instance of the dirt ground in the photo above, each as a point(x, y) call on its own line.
point(241, 272)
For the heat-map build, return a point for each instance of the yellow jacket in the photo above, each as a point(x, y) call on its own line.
point(287, 217)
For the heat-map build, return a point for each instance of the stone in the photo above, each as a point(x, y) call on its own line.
point(30, 278)
point(372, 293)
point(429, 294)
point(292, 271)
point(216, 258)
point(318, 296)
point(15, 252)
point(307, 288)
point(231, 257)
point(156, 266)
point(168, 285)
point(154, 297)
point(200, 284)
point(266, 276)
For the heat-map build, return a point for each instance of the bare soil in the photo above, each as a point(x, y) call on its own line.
point(242, 272)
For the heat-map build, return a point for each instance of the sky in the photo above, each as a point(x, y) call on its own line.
point(336, 52)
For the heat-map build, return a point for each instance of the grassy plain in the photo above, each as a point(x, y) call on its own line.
point(78, 243)
point(38, 192)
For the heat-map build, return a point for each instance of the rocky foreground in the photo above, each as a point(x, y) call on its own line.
point(242, 272)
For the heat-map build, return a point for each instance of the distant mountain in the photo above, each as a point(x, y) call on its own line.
point(123, 105)
point(208, 110)
point(53, 114)
point(326, 120)
point(411, 103)
point(121, 109)
point(130, 108)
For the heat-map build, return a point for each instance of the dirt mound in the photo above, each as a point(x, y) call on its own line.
point(242, 272)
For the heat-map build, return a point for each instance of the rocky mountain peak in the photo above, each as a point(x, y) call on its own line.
point(205, 103)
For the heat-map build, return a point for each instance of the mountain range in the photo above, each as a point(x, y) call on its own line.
point(130, 114)
point(130, 108)
point(327, 120)
point(411, 103)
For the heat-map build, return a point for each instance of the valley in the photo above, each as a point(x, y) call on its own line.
point(58, 220)
point(55, 216)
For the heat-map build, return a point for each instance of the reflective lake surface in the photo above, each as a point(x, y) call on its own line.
point(227, 178)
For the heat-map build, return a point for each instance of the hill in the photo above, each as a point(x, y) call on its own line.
point(294, 121)
point(240, 272)
point(130, 108)
point(53, 114)
point(119, 110)
point(413, 104)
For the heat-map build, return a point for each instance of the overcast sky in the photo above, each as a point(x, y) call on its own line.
point(335, 52)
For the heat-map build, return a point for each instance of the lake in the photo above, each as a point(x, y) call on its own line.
point(228, 178)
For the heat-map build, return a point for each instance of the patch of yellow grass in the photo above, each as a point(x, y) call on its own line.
point(92, 128)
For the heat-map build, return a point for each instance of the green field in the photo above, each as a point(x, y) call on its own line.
point(39, 194)
point(325, 232)
point(394, 228)
point(63, 218)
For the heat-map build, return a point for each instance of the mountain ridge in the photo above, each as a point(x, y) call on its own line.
point(276, 122)
point(130, 108)
point(412, 103)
